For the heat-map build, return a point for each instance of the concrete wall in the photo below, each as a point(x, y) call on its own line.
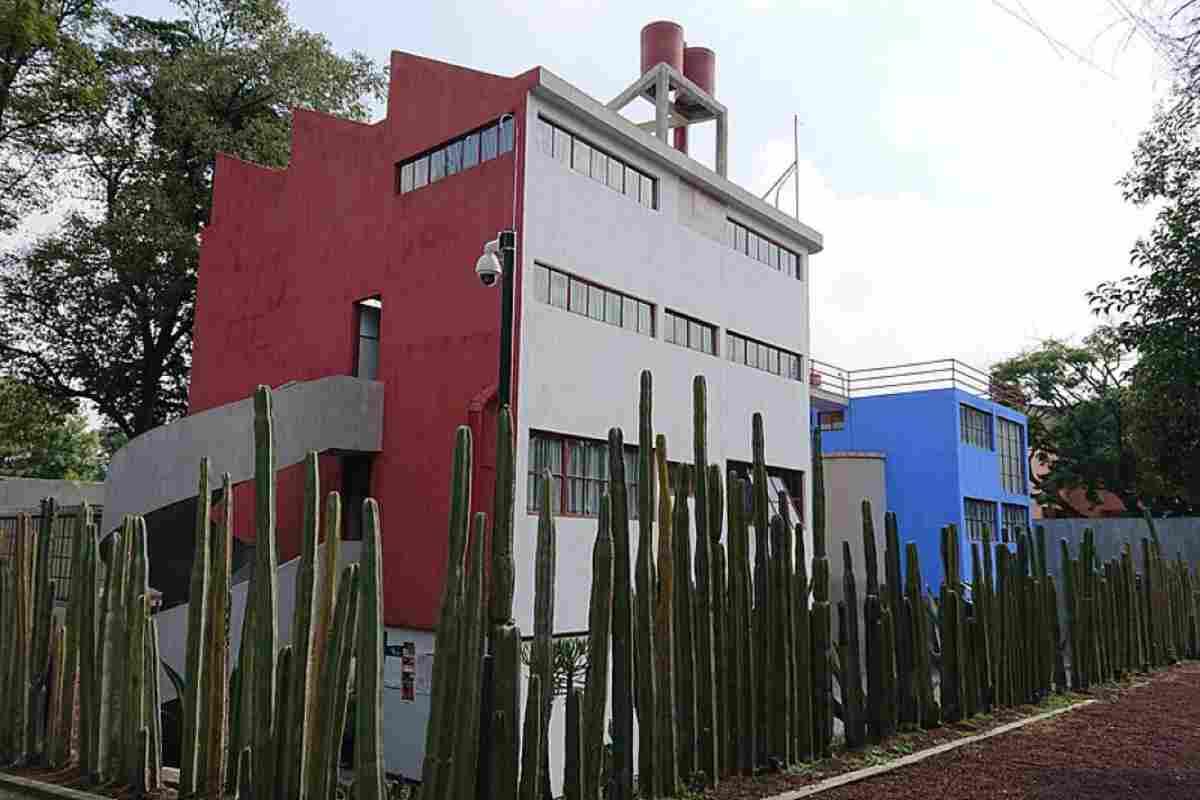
point(26, 494)
point(161, 466)
point(850, 477)
point(1179, 535)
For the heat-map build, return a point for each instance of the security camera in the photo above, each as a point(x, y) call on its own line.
point(488, 267)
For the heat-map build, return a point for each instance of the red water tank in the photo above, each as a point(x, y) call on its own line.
point(662, 41)
point(700, 67)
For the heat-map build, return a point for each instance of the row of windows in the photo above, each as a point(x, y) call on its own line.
point(689, 333)
point(565, 291)
point(579, 468)
point(1012, 457)
point(762, 249)
point(834, 420)
point(982, 513)
point(602, 167)
point(766, 357)
point(603, 305)
point(456, 156)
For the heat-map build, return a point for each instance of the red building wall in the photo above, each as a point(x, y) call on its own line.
point(288, 254)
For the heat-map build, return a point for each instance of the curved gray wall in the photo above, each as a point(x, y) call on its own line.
point(161, 466)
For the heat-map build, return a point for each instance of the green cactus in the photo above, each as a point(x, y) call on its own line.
point(820, 613)
point(283, 679)
point(137, 610)
point(720, 646)
point(573, 758)
point(760, 519)
point(873, 633)
point(192, 705)
point(474, 613)
point(89, 683)
point(506, 721)
point(622, 626)
point(919, 635)
point(295, 731)
point(153, 706)
point(803, 724)
point(503, 574)
point(531, 741)
point(890, 711)
point(685, 643)
point(981, 643)
point(336, 681)
point(848, 646)
point(741, 627)
point(664, 631)
point(215, 690)
point(264, 591)
point(644, 603)
point(599, 623)
point(439, 733)
point(543, 612)
point(892, 555)
point(368, 731)
point(705, 664)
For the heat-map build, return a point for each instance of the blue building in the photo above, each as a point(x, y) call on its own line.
point(952, 453)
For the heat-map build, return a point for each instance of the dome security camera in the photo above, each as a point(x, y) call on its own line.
point(488, 267)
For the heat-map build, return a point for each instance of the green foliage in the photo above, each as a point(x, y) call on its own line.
point(1077, 399)
point(48, 84)
point(42, 437)
point(1160, 302)
point(102, 308)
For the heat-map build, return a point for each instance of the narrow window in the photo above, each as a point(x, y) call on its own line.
point(645, 319)
point(367, 357)
point(470, 151)
point(629, 314)
point(437, 165)
point(616, 175)
point(558, 289)
point(579, 296)
point(596, 303)
point(541, 283)
point(647, 195)
point(545, 137)
point(562, 146)
point(633, 182)
point(612, 308)
point(506, 134)
point(421, 172)
point(406, 178)
point(581, 158)
point(599, 166)
point(978, 515)
point(454, 152)
point(488, 143)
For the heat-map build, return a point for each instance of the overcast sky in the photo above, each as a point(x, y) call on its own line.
point(961, 167)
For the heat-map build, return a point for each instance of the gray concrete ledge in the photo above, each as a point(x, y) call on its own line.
point(905, 761)
point(161, 466)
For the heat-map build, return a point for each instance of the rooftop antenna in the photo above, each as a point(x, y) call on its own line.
point(793, 171)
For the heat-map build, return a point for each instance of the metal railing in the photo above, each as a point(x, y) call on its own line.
point(62, 544)
point(918, 376)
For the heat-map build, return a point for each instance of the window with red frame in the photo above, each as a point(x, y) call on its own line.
point(579, 469)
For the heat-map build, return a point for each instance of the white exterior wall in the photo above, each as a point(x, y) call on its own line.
point(578, 376)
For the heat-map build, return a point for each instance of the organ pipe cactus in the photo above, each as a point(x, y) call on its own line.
point(265, 599)
point(851, 680)
point(599, 624)
point(720, 648)
point(622, 625)
point(294, 730)
point(892, 555)
point(820, 614)
point(572, 774)
point(872, 618)
point(649, 781)
point(685, 652)
point(336, 680)
point(506, 734)
point(216, 691)
point(531, 741)
point(192, 705)
point(664, 627)
point(760, 510)
point(439, 732)
point(474, 612)
point(368, 734)
point(741, 627)
point(802, 646)
point(705, 666)
point(543, 613)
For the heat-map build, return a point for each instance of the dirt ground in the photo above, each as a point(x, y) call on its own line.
point(1140, 742)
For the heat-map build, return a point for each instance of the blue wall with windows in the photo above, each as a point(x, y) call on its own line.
point(930, 469)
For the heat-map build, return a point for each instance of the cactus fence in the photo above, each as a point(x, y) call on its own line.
point(723, 650)
point(79, 688)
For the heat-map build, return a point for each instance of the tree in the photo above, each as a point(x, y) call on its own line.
point(45, 438)
point(102, 309)
point(48, 83)
point(1075, 399)
point(1160, 302)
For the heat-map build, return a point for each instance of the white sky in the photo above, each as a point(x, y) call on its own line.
point(961, 167)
